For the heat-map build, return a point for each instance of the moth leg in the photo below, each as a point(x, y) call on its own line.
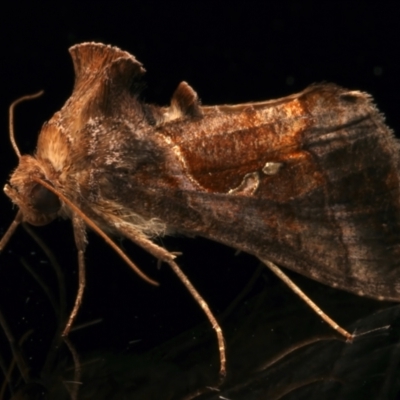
point(278, 272)
point(160, 253)
point(80, 240)
point(95, 228)
point(214, 323)
point(10, 231)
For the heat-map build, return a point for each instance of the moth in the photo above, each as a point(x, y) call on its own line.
point(309, 182)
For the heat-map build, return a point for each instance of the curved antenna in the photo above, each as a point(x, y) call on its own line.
point(11, 118)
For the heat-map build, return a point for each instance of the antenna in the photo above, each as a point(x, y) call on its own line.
point(11, 118)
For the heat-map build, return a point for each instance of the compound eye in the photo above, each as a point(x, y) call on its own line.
point(44, 201)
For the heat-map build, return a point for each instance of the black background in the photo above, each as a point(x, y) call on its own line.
point(229, 53)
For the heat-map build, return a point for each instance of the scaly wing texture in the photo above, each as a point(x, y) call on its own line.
point(309, 181)
point(331, 210)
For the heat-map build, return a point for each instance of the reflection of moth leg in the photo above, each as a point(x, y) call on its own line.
point(18, 358)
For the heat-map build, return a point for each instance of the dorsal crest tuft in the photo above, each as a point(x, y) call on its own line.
point(185, 101)
point(104, 77)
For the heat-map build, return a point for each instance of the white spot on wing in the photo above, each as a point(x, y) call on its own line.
point(271, 168)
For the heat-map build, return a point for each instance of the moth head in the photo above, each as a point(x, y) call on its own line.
point(38, 205)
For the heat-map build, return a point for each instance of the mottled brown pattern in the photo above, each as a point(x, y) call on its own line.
point(330, 211)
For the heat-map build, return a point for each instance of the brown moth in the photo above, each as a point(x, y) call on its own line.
point(309, 182)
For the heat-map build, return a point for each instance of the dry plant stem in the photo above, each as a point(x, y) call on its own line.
point(57, 269)
point(10, 231)
point(210, 316)
point(11, 118)
point(277, 271)
point(92, 225)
